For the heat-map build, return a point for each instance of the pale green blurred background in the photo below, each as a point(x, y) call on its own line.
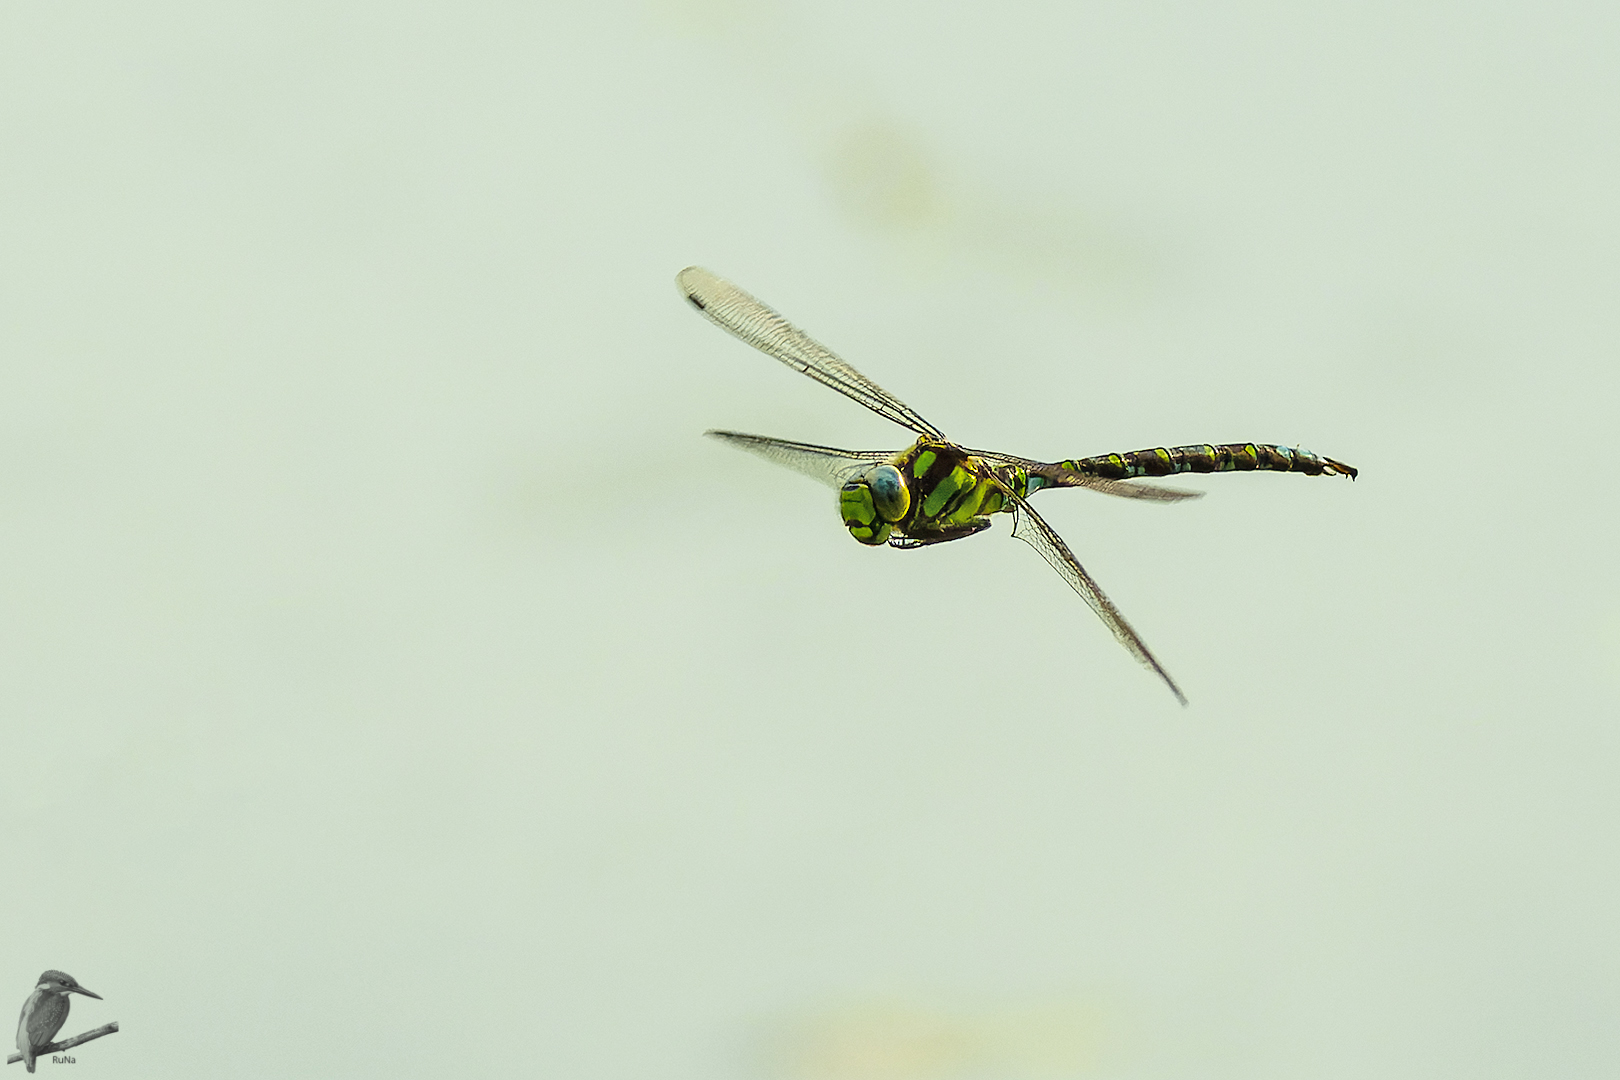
point(395, 683)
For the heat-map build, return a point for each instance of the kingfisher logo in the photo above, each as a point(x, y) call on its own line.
point(44, 1012)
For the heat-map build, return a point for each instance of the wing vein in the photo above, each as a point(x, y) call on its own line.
point(1031, 528)
point(826, 464)
point(749, 319)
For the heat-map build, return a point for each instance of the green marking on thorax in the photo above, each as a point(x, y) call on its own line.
point(948, 486)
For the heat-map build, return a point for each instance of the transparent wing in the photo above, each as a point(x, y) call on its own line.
point(1056, 476)
point(747, 318)
point(826, 464)
point(1031, 528)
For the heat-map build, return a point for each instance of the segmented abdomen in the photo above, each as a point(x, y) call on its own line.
point(1204, 458)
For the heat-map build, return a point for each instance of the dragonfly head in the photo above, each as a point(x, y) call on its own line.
point(873, 503)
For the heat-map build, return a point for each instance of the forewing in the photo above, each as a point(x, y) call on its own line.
point(1031, 528)
point(749, 319)
point(826, 464)
point(1058, 477)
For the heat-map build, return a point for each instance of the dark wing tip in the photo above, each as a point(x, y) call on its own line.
point(1153, 665)
point(734, 437)
point(691, 281)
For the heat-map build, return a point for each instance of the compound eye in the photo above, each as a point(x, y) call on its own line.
point(890, 496)
point(860, 515)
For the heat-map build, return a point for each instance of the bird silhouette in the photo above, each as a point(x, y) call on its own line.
point(45, 1011)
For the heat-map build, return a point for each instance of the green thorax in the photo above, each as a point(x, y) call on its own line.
point(930, 492)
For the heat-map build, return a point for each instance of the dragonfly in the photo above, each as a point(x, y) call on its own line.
point(935, 490)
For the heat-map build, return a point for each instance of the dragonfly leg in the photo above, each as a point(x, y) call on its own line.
point(939, 534)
